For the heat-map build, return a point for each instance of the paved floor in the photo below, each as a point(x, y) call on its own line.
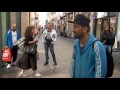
point(63, 50)
point(116, 73)
point(8, 73)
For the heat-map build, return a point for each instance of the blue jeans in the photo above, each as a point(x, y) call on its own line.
point(109, 47)
point(51, 47)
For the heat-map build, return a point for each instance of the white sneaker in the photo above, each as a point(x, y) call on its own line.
point(37, 75)
point(22, 75)
point(8, 66)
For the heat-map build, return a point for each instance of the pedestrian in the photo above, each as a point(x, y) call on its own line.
point(113, 38)
point(29, 39)
point(87, 61)
point(11, 37)
point(39, 30)
point(107, 38)
point(49, 38)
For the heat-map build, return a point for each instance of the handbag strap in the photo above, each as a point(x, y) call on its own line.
point(24, 49)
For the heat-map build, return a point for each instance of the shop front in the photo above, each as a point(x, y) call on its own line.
point(63, 31)
point(107, 18)
point(100, 22)
point(58, 26)
point(70, 25)
point(103, 19)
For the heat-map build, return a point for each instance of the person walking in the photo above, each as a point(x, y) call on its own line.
point(113, 39)
point(32, 61)
point(11, 37)
point(88, 59)
point(49, 38)
point(107, 38)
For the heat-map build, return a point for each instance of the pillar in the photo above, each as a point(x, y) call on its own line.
point(67, 27)
point(3, 19)
point(0, 41)
point(118, 31)
point(18, 21)
point(72, 24)
point(91, 23)
point(3, 30)
point(8, 22)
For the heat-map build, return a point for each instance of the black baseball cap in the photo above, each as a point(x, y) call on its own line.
point(81, 19)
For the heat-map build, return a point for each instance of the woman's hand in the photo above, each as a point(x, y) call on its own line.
point(35, 40)
point(6, 46)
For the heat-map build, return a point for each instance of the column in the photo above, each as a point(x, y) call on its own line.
point(67, 26)
point(72, 25)
point(8, 22)
point(92, 24)
point(3, 19)
point(118, 30)
point(18, 21)
point(3, 29)
point(0, 41)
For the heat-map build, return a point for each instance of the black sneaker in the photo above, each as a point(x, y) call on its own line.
point(55, 63)
point(13, 64)
point(46, 63)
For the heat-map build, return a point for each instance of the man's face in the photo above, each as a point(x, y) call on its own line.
point(49, 26)
point(13, 27)
point(78, 31)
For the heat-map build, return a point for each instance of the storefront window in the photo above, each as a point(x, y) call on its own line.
point(113, 23)
point(106, 22)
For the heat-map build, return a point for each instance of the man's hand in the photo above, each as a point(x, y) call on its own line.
point(6, 46)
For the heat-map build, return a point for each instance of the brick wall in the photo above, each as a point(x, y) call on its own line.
point(13, 17)
point(24, 21)
point(32, 15)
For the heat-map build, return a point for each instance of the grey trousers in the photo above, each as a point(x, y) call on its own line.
point(51, 47)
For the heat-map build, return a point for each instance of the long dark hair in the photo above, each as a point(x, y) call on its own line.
point(29, 30)
point(108, 27)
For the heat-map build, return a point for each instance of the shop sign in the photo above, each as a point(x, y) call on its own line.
point(101, 14)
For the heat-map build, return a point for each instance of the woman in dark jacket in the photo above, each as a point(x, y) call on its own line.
point(107, 38)
point(32, 61)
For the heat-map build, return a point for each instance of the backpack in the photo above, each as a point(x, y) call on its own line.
point(110, 63)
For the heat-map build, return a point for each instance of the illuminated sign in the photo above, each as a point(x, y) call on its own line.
point(101, 14)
